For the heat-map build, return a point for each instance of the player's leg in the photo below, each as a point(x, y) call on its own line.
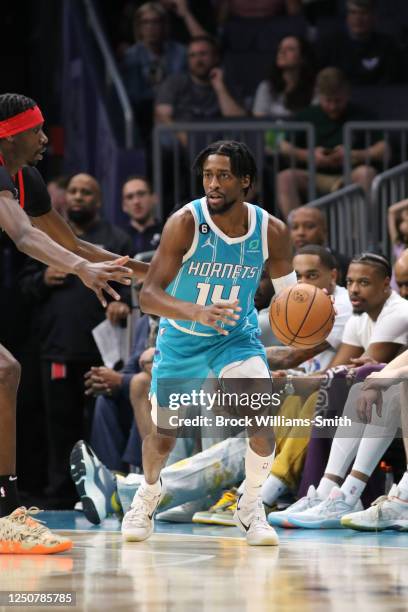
point(139, 398)
point(250, 513)
point(19, 532)
point(172, 349)
point(138, 522)
point(9, 379)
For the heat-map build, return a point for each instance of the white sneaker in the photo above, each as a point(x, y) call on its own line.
point(327, 514)
point(386, 512)
point(138, 522)
point(251, 520)
point(282, 518)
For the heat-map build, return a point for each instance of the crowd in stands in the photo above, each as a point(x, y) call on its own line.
point(183, 61)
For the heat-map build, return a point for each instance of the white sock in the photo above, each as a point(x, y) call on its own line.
point(153, 489)
point(272, 488)
point(352, 488)
point(403, 486)
point(324, 488)
point(257, 470)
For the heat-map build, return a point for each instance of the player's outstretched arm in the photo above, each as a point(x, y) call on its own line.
point(175, 242)
point(280, 248)
point(38, 245)
point(58, 229)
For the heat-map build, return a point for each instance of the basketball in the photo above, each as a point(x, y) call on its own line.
point(302, 316)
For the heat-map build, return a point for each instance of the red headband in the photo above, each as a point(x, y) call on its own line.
point(21, 122)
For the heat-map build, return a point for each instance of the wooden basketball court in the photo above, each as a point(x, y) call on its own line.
point(195, 567)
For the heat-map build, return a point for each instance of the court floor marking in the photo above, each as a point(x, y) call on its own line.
point(283, 540)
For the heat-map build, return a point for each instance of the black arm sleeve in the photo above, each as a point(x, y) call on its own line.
point(37, 201)
point(6, 182)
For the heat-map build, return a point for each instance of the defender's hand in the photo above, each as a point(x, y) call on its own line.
point(97, 276)
point(222, 312)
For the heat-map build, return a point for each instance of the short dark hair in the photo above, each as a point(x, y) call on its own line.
point(376, 260)
point(210, 40)
point(139, 177)
point(327, 259)
point(242, 161)
point(12, 104)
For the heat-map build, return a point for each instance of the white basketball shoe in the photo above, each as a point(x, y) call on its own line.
point(251, 520)
point(138, 522)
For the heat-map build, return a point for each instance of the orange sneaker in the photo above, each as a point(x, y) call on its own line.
point(21, 534)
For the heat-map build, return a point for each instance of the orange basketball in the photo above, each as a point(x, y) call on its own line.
point(302, 316)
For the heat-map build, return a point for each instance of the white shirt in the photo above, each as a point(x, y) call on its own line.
point(390, 326)
point(344, 311)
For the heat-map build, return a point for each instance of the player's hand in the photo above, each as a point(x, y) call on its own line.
point(101, 380)
point(357, 362)
point(117, 311)
point(365, 402)
point(97, 276)
point(54, 277)
point(222, 312)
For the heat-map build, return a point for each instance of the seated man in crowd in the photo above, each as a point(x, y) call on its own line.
point(377, 329)
point(308, 225)
point(328, 118)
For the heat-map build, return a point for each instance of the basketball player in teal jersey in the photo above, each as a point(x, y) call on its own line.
point(202, 282)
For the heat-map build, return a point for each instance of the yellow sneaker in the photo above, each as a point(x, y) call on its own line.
point(222, 512)
point(21, 534)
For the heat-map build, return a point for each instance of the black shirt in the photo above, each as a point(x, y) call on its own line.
point(145, 241)
point(375, 61)
point(28, 188)
point(67, 314)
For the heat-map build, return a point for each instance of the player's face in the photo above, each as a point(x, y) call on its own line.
point(334, 106)
point(31, 145)
point(309, 269)
point(137, 200)
point(401, 278)
point(83, 198)
point(202, 58)
point(222, 188)
point(306, 228)
point(367, 288)
point(288, 55)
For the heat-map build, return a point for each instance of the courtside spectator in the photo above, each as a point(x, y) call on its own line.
point(308, 226)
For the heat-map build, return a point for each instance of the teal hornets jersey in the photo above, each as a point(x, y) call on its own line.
point(218, 268)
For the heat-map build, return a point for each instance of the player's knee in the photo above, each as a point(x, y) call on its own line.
point(10, 371)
